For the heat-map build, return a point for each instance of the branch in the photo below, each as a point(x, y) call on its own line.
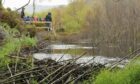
point(24, 5)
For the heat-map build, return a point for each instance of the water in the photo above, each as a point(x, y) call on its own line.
point(85, 59)
point(107, 61)
point(56, 57)
point(68, 46)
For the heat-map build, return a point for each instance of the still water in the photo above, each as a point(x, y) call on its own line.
point(107, 61)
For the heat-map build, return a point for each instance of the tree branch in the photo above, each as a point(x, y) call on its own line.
point(24, 5)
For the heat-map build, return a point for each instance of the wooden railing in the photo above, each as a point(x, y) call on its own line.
point(43, 22)
point(40, 22)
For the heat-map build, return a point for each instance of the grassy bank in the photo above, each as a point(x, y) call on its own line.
point(12, 43)
point(129, 75)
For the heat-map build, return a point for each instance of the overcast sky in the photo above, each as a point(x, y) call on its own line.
point(13, 4)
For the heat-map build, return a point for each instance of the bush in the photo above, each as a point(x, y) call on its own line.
point(12, 18)
point(13, 44)
point(28, 30)
point(41, 24)
point(60, 30)
point(129, 75)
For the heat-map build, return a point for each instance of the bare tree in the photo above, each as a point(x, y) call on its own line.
point(116, 24)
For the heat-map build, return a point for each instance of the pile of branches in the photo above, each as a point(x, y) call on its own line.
point(48, 72)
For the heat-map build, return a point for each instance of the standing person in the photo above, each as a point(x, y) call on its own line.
point(35, 18)
point(48, 20)
point(22, 13)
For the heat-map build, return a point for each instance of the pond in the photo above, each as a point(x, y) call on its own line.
point(89, 59)
point(69, 46)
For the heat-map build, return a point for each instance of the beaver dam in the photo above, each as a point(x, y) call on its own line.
point(57, 69)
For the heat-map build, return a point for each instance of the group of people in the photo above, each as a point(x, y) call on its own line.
point(48, 18)
point(35, 18)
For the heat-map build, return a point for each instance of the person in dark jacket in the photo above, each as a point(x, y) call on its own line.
point(48, 20)
point(22, 13)
point(49, 17)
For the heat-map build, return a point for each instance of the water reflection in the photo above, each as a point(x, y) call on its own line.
point(68, 46)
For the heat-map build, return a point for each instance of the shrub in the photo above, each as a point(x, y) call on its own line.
point(12, 18)
point(13, 44)
point(29, 30)
point(129, 75)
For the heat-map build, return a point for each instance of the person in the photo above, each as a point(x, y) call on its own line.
point(43, 19)
point(22, 13)
point(35, 18)
point(48, 20)
point(28, 18)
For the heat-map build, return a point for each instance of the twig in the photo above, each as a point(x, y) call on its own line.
point(23, 58)
point(59, 69)
point(52, 73)
point(130, 55)
point(10, 71)
point(70, 72)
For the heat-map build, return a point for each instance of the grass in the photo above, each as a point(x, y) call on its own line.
point(13, 44)
point(129, 75)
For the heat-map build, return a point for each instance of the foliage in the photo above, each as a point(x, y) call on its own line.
point(69, 18)
point(29, 30)
point(13, 44)
point(10, 17)
point(128, 75)
point(74, 16)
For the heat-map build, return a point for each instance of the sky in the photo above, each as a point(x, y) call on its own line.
point(14, 4)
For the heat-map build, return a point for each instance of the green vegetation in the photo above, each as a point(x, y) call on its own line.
point(13, 44)
point(128, 75)
point(112, 26)
point(14, 22)
point(12, 18)
point(15, 37)
point(71, 18)
point(74, 16)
